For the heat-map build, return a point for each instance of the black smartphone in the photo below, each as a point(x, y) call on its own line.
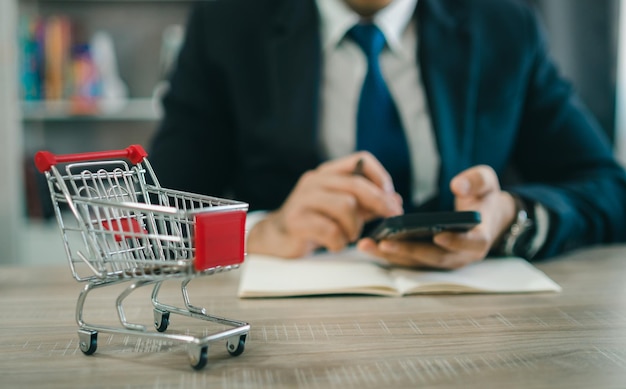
point(421, 226)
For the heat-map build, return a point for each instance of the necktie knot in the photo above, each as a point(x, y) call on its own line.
point(369, 37)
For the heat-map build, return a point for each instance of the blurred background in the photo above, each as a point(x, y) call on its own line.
point(105, 66)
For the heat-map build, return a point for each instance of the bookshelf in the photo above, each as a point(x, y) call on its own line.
point(136, 29)
point(135, 32)
point(135, 109)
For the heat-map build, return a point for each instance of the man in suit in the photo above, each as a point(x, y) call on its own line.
point(264, 107)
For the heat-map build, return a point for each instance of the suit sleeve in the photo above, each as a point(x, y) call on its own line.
point(566, 161)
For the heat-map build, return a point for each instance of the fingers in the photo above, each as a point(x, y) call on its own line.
point(373, 189)
point(372, 169)
point(338, 208)
point(476, 188)
point(422, 254)
point(297, 237)
point(344, 198)
point(476, 181)
point(327, 208)
point(476, 241)
point(321, 231)
point(447, 250)
point(368, 196)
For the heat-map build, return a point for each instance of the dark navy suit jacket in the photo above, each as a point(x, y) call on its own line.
point(241, 115)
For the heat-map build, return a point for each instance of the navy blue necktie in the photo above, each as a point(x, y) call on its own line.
point(379, 129)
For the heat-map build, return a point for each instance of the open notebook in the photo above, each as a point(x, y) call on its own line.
point(352, 272)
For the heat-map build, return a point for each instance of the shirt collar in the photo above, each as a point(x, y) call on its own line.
point(337, 18)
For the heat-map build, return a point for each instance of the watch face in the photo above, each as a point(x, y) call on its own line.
point(526, 228)
point(517, 240)
point(524, 238)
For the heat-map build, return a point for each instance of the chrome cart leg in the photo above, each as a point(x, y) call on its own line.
point(87, 338)
point(190, 307)
point(120, 309)
point(161, 315)
point(80, 303)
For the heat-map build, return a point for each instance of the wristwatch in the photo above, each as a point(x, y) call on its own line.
point(516, 241)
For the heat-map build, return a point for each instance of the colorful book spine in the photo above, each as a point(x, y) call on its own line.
point(57, 57)
point(54, 66)
point(31, 57)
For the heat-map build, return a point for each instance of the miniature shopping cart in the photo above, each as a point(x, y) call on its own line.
point(119, 225)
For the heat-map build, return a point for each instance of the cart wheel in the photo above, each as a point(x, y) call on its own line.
point(161, 320)
point(236, 345)
point(88, 341)
point(199, 357)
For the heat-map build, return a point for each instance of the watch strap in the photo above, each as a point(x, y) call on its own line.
point(517, 239)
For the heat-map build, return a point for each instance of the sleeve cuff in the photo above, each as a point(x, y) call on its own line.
point(252, 218)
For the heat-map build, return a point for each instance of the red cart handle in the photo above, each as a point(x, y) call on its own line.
point(44, 160)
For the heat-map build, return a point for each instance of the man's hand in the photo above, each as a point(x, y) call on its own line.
point(475, 189)
point(327, 209)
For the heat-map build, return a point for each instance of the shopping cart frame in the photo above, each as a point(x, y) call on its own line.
point(130, 229)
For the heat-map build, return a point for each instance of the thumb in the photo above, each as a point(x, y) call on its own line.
point(476, 181)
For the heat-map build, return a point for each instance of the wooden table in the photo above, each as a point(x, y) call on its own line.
point(572, 339)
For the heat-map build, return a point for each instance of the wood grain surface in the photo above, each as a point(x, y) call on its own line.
point(572, 339)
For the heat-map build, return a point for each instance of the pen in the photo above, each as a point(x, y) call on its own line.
point(358, 169)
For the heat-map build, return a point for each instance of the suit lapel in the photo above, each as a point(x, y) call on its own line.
point(295, 61)
point(450, 76)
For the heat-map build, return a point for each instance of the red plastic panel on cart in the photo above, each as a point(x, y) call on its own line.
point(219, 239)
point(124, 225)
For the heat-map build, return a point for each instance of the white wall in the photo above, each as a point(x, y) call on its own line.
point(11, 220)
point(620, 114)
